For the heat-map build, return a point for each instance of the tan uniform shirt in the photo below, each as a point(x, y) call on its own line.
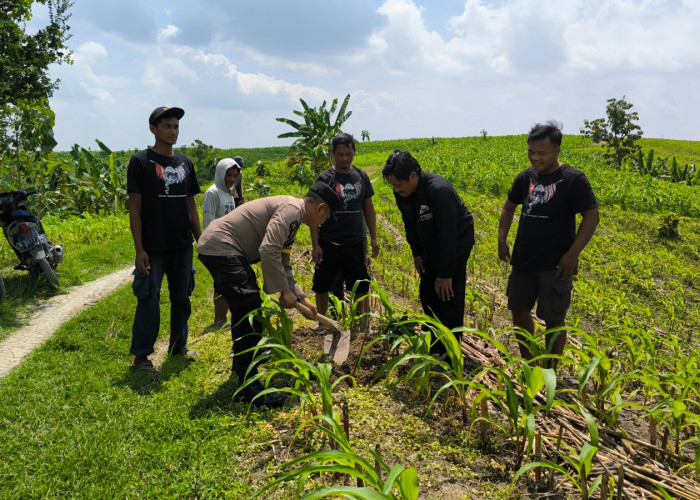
point(260, 230)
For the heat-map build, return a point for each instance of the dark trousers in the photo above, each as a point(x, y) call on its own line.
point(235, 281)
point(349, 259)
point(177, 266)
point(450, 312)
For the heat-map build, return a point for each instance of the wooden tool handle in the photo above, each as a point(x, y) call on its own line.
point(328, 322)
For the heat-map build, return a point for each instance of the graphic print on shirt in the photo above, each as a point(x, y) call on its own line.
point(539, 194)
point(347, 193)
point(424, 213)
point(171, 175)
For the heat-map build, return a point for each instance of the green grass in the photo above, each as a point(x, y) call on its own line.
point(94, 246)
point(76, 423)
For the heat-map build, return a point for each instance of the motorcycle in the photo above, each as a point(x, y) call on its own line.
point(26, 236)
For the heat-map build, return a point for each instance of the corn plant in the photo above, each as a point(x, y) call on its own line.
point(457, 382)
point(348, 311)
point(672, 411)
point(275, 321)
point(539, 344)
point(520, 405)
point(610, 378)
point(582, 463)
point(400, 482)
point(413, 344)
point(311, 383)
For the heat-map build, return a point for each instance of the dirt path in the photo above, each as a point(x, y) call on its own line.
point(50, 315)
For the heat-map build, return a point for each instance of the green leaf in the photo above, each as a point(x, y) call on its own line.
point(513, 403)
point(588, 453)
point(351, 491)
point(544, 465)
point(550, 383)
point(592, 425)
point(103, 147)
point(408, 484)
point(530, 429)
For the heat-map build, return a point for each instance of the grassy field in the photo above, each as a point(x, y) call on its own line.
point(75, 422)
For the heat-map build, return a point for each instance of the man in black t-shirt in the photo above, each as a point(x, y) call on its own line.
point(547, 245)
point(163, 215)
point(338, 244)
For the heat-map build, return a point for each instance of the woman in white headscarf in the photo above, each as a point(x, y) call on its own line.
point(217, 201)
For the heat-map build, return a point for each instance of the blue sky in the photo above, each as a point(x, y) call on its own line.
point(414, 68)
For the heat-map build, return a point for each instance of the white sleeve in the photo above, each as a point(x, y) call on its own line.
point(210, 202)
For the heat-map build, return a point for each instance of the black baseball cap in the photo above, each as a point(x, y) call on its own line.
point(165, 112)
point(327, 195)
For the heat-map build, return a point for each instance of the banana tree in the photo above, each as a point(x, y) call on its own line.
point(313, 134)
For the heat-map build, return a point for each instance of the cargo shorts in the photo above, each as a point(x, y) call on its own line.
point(552, 294)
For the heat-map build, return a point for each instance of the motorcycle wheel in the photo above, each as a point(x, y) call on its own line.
point(46, 269)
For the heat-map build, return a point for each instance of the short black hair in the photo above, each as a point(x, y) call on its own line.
point(400, 164)
point(342, 138)
point(550, 130)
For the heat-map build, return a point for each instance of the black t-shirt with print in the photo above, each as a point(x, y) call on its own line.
point(165, 184)
point(353, 189)
point(547, 226)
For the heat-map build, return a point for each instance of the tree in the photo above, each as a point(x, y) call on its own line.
point(26, 135)
point(25, 58)
point(315, 133)
point(26, 120)
point(618, 134)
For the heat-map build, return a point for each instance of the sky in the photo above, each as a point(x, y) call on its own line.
point(413, 68)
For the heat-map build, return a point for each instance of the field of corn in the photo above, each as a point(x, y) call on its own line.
point(405, 425)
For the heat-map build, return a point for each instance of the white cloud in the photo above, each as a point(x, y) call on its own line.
point(413, 67)
point(250, 83)
point(90, 53)
point(165, 34)
point(168, 73)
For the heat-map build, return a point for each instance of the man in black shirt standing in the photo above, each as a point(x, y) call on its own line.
point(339, 244)
point(440, 231)
point(163, 216)
point(547, 245)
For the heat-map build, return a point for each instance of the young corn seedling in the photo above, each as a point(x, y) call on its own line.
point(380, 481)
point(520, 405)
point(582, 463)
point(412, 341)
point(457, 382)
point(311, 383)
point(609, 378)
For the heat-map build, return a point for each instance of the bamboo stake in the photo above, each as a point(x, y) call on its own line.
point(604, 486)
point(346, 419)
point(652, 436)
point(484, 423)
point(620, 481)
point(551, 471)
point(538, 456)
